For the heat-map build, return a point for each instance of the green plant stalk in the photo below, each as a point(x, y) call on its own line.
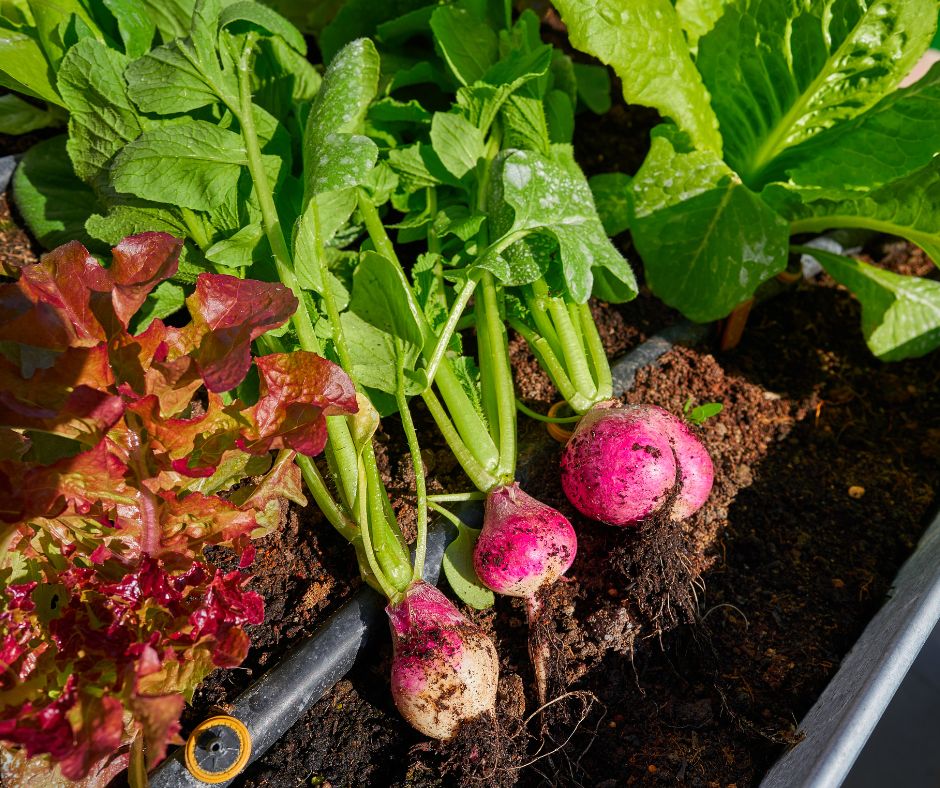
point(388, 543)
point(501, 378)
point(487, 390)
point(467, 436)
point(547, 360)
point(363, 510)
point(523, 408)
point(566, 342)
point(421, 542)
point(457, 497)
point(597, 354)
point(381, 540)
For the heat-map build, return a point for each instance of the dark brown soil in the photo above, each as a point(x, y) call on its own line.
point(826, 467)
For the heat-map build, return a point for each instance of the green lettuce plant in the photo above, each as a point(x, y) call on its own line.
point(783, 118)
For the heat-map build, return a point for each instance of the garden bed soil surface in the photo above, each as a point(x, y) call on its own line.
point(826, 466)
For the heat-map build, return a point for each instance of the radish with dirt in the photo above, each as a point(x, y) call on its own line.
point(623, 465)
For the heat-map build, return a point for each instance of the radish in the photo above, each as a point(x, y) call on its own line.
point(622, 465)
point(524, 546)
point(444, 669)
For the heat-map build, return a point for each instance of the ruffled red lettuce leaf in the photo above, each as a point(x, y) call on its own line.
point(138, 264)
point(298, 390)
point(229, 313)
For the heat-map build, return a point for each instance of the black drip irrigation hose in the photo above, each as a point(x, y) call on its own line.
point(279, 698)
point(275, 702)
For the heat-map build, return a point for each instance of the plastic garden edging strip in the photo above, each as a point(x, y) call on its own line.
point(846, 713)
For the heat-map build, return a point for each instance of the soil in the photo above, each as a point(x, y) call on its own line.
point(825, 472)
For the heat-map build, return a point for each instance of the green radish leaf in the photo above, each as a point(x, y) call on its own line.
point(333, 210)
point(563, 76)
point(401, 28)
point(124, 220)
point(389, 110)
point(458, 220)
point(383, 298)
point(283, 77)
point(166, 82)
point(162, 302)
point(907, 207)
point(343, 161)
point(900, 314)
point(50, 23)
point(268, 20)
point(900, 134)
point(172, 17)
point(102, 120)
point(482, 102)
point(374, 358)
point(413, 166)
point(550, 194)
point(359, 18)
point(706, 240)
point(19, 117)
point(457, 142)
point(524, 124)
point(184, 74)
point(336, 156)
point(24, 67)
point(643, 43)
point(467, 43)
point(193, 165)
point(519, 67)
point(240, 249)
point(593, 83)
point(52, 200)
point(459, 571)
point(781, 72)
point(134, 24)
point(349, 86)
point(611, 196)
point(383, 318)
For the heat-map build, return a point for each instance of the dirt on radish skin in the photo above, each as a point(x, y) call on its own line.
point(444, 669)
point(695, 464)
point(618, 467)
point(524, 544)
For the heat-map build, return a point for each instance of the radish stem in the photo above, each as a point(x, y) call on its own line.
point(420, 487)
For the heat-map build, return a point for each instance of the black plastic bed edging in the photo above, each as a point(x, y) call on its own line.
point(279, 698)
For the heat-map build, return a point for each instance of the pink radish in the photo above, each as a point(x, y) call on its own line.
point(618, 466)
point(523, 547)
point(621, 465)
point(444, 669)
point(524, 544)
